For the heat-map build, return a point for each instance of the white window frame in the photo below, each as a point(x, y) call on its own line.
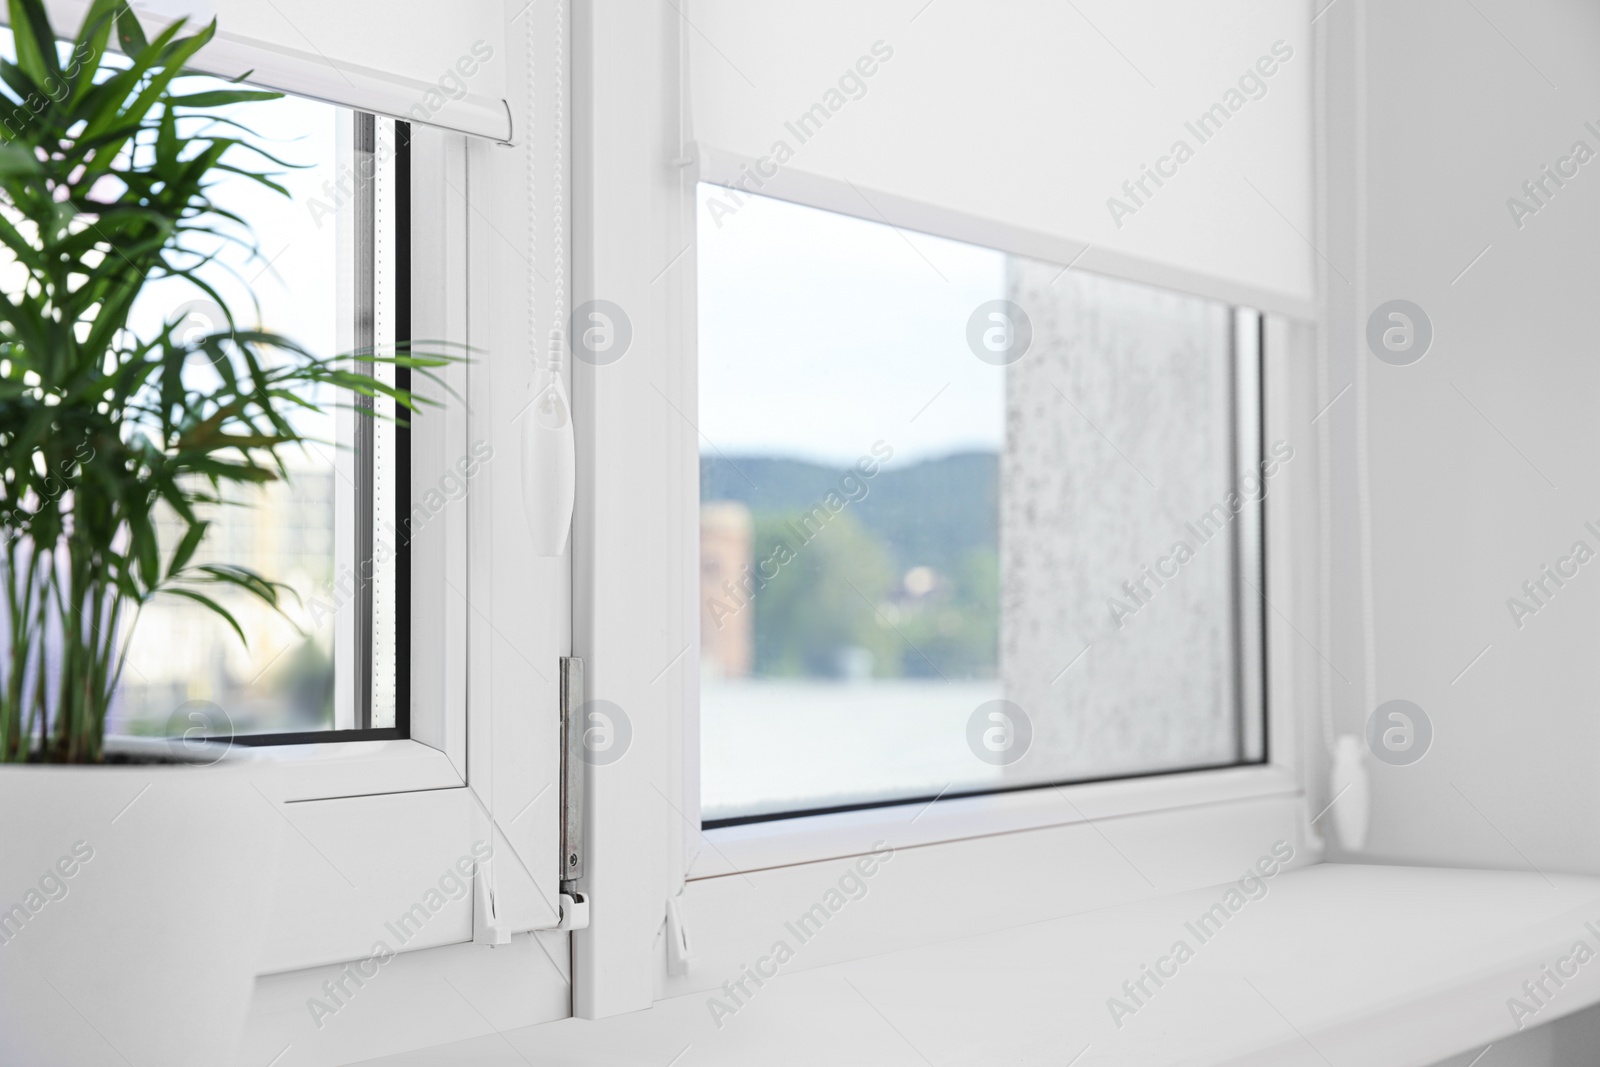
point(482, 761)
point(410, 808)
point(636, 621)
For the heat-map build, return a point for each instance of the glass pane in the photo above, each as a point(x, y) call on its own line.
point(928, 470)
point(185, 667)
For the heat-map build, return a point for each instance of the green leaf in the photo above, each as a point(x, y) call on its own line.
point(130, 35)
point(186, 547)
point(146, 549)
point(16, 160)
point(246, 579)
point(222, 97)
point(201, 598)
point(91, 46)
point(35, 42)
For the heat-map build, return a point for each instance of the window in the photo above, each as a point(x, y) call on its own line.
point(969, 521)
point(385, 234)
point(331, 272)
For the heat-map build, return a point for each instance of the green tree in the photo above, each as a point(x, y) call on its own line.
point(823, 599)
point(957, 625)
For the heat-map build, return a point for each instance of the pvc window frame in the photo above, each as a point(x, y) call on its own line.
point(433, 756)
point(490, 622)
point(397, 812)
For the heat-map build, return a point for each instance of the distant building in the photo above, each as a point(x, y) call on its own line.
point(181, 651)
point(727, 620)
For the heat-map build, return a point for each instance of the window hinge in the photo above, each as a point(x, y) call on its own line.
point(572, 776)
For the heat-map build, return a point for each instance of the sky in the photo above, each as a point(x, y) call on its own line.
point(821, 333)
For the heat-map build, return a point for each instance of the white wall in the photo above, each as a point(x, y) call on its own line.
point(1033, 114)
point(1482, 463)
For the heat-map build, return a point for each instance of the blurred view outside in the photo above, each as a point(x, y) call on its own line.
point(280, 681)
point(897, 531)
point(850, 560)
point(283, 679)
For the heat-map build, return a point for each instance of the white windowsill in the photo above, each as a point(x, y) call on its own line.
point(1382, 966)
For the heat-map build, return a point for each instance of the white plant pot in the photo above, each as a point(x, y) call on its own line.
point(142, 892)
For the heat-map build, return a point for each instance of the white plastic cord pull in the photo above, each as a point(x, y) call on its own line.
point(549, 466)
point(1354, 798)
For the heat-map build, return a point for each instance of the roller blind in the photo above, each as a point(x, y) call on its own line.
point(442, 65)
point(1167, 133)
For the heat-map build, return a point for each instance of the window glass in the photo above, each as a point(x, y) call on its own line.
point(327, 661)
point(943, 491)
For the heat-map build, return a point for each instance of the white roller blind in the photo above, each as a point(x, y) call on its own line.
point(1028, 117)
point(443, 65)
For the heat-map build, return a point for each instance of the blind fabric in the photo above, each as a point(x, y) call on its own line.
point(405, 59)
point(1169, 133)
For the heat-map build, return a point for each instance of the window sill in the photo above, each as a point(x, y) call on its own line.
point(812, 838)
point(1383, 966)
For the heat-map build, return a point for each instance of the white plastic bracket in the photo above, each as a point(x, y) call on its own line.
point(574, 912)
point(487, 926)
point(678, 951)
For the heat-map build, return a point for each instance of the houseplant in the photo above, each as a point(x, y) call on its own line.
point(104, 181)
point(104, 188)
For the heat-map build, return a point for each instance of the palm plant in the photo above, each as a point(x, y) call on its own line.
point(104, 188)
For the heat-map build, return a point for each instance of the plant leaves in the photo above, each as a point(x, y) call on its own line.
point(35, 42)
point(186, 547)
point(130, 35)
point(201, 598)
point(222, 97)
point(106, 433)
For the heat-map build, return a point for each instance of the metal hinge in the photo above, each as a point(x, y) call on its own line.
point(574, 905)
point(572, 776)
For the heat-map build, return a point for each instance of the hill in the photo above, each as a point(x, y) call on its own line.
point(931, 512)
